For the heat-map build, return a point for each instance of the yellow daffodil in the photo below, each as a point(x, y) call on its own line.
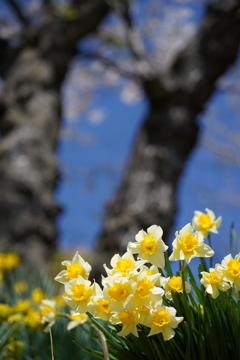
point(206, 223)
point(33, 319)
point(77, 267)
point(117, 290)
point(128, 320)
point(21, 287)
point(22, 306)
point(213, 281)
point(5, 311)
point(124, 265)
point(79, 292)
point(162, 319)
point(173, 284)
point(16, 348)
point(149, 246)
point(11, 261)
point(230, 270)
point(15, 318)
point(76, 320)
point(38, 295)
point(189, 244)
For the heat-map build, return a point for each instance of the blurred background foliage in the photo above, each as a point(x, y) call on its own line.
point(21, 330)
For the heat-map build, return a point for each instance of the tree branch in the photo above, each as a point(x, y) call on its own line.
point(21, 17)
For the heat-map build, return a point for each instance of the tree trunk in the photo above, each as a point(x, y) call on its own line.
point(148, 193)
point(30, 116)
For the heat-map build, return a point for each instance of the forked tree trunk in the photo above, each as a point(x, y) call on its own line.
point(147, 194)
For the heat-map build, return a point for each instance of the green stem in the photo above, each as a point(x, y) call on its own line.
point(210, 244)
point(183, 276)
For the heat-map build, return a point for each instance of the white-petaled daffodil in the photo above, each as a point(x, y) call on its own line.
point(99, 307)
point(124, 265)
point(76, 319)
point(146, 292)
point(48, 313)
point(214, 281)
point(189, 244)
point(149, 246)
point(206, 223)
point(128, 320)
point(117, 290)
point(79, 292)
point(230, 270)
point(77, 267)
point(163, 319)
point(175, 284)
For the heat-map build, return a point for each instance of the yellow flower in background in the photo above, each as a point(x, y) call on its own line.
point(213, 281)
point(17, 317)
point(128, 320)
point(21, 287)
point(149, 246)
point(33, 319)
point(60, 303)
point(173, 284)
point(206, 223)
point(5, 311)
point(230, 270)
point(163, 319)
point(48, 313)
point(22, 306)
point(189, 244)
point(11, 261)
point(38, 295)
point(77, 267)
point(15, 347)
point(76, 320)
point(124, 265)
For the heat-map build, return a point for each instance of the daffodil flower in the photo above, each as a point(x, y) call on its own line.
point(206, 223)
point(213, 281)
point(149, 246)
point(173, 283)
point(77, 267)
point(128, 320)
point(79, 292)
point(163, 319)
point(48, 313)
point(124, 265)
point(146, 292)
point(76, 320)
point(230, 270)
point(117, 291)
point(189, 244)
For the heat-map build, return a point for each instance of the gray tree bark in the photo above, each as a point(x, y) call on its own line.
point(147, 194)
point(30, 117)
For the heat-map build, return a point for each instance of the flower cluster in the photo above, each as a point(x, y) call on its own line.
point(134, 292)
